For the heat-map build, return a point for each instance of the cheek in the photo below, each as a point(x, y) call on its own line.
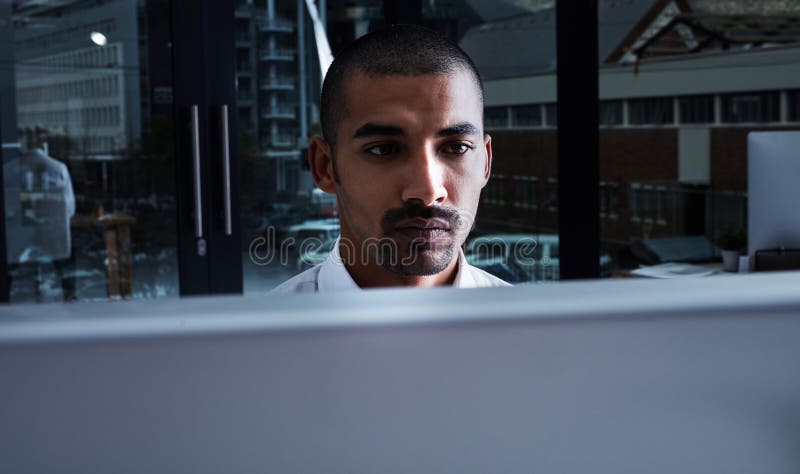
point(369, 190)
point(466, 186)
point(363, 199)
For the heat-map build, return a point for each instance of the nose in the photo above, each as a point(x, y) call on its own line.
point(425, 179)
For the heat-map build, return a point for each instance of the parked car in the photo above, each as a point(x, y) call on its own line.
point(309, 234)
point(515, 257)
point(526, 257)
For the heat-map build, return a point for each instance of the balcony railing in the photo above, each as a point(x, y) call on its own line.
point(243, 39)
point(244, 68)
point(278, 55)
point(278, 113)
point(243, 11)
point(284, 140)
point(286, 83)
point(276, 25)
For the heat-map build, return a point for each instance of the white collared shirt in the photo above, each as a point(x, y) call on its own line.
point(331, 275)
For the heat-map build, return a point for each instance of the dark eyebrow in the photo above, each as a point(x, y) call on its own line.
point(373, 129)
point(464, 128)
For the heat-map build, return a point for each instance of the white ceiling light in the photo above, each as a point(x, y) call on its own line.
point(98, 38)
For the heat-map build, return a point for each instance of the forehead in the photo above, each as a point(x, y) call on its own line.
point(419, 101)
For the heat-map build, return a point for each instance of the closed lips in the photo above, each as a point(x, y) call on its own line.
point(430, 225)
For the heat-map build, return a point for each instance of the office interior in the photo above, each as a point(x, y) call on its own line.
point(154, 161)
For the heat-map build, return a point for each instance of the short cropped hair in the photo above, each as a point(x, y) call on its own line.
point(405, 50)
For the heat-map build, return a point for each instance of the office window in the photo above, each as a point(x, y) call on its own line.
point(647, 202)
point(551, 113)
point(612, 193)
point(757, 107)
point(697, 109)
point(526, 116)
point(520, 191)
point(495, 190)
point(661, 204)
point(636, 201)
point(552, 193)
point(603, 199)
point(794, 105)
point(60, 88)
point(656, 111)
point(609, 199)
point(611, 112)
point(533, 191)
point(495, 117)
point(525, 190)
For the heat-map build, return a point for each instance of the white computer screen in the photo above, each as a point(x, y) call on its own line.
point(773, 190)
point(691, 376)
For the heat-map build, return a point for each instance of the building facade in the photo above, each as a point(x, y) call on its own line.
point(673, 128)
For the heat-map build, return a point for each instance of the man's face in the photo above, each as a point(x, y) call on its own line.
point(411, 158)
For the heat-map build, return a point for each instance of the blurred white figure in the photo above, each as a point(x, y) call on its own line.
point(39, 205)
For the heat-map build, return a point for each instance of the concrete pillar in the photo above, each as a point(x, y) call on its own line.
point(784, 105)
point(8, 92)
point(301, 74)
point(625, 113)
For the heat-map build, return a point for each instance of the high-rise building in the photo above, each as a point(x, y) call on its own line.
point(273, 58)
point(77, 68)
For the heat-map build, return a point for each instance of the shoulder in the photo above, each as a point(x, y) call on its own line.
point(300, 283)
point(483, 278)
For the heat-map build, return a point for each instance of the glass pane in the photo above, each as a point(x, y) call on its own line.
point(751, 107)
point(88, 160)
point(496, 117)
point(611, 112)
point(697, 109)
point(526, 116)
point(650, 111)
point(280, 201)
point(794, 106)
point(695, 78)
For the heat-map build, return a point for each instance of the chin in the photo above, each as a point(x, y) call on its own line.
point(422, 262)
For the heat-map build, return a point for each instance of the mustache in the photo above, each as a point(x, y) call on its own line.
point(414, 210)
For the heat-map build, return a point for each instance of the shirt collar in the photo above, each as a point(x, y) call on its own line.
point(333, 275)
point(464, 277)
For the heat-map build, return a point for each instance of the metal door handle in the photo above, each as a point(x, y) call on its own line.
point(198, 191)
point(226, 170)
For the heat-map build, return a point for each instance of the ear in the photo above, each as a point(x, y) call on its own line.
point(487, 172)
point(320, 160)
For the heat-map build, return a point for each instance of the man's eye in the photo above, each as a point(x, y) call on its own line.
point(381, 150)
point(457, 148)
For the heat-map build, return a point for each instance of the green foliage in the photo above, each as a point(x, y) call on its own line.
point(732, 238)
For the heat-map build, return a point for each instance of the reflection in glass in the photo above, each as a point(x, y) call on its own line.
point(90, 134)
point(650, 111)
point(697, 109)
point(526, 116)
point(611, 112)
point(694, 78)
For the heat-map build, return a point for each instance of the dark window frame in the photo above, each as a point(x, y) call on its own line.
point(651, 111)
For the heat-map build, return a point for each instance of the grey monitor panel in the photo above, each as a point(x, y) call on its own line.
point(773, 179)
point(690, 376)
